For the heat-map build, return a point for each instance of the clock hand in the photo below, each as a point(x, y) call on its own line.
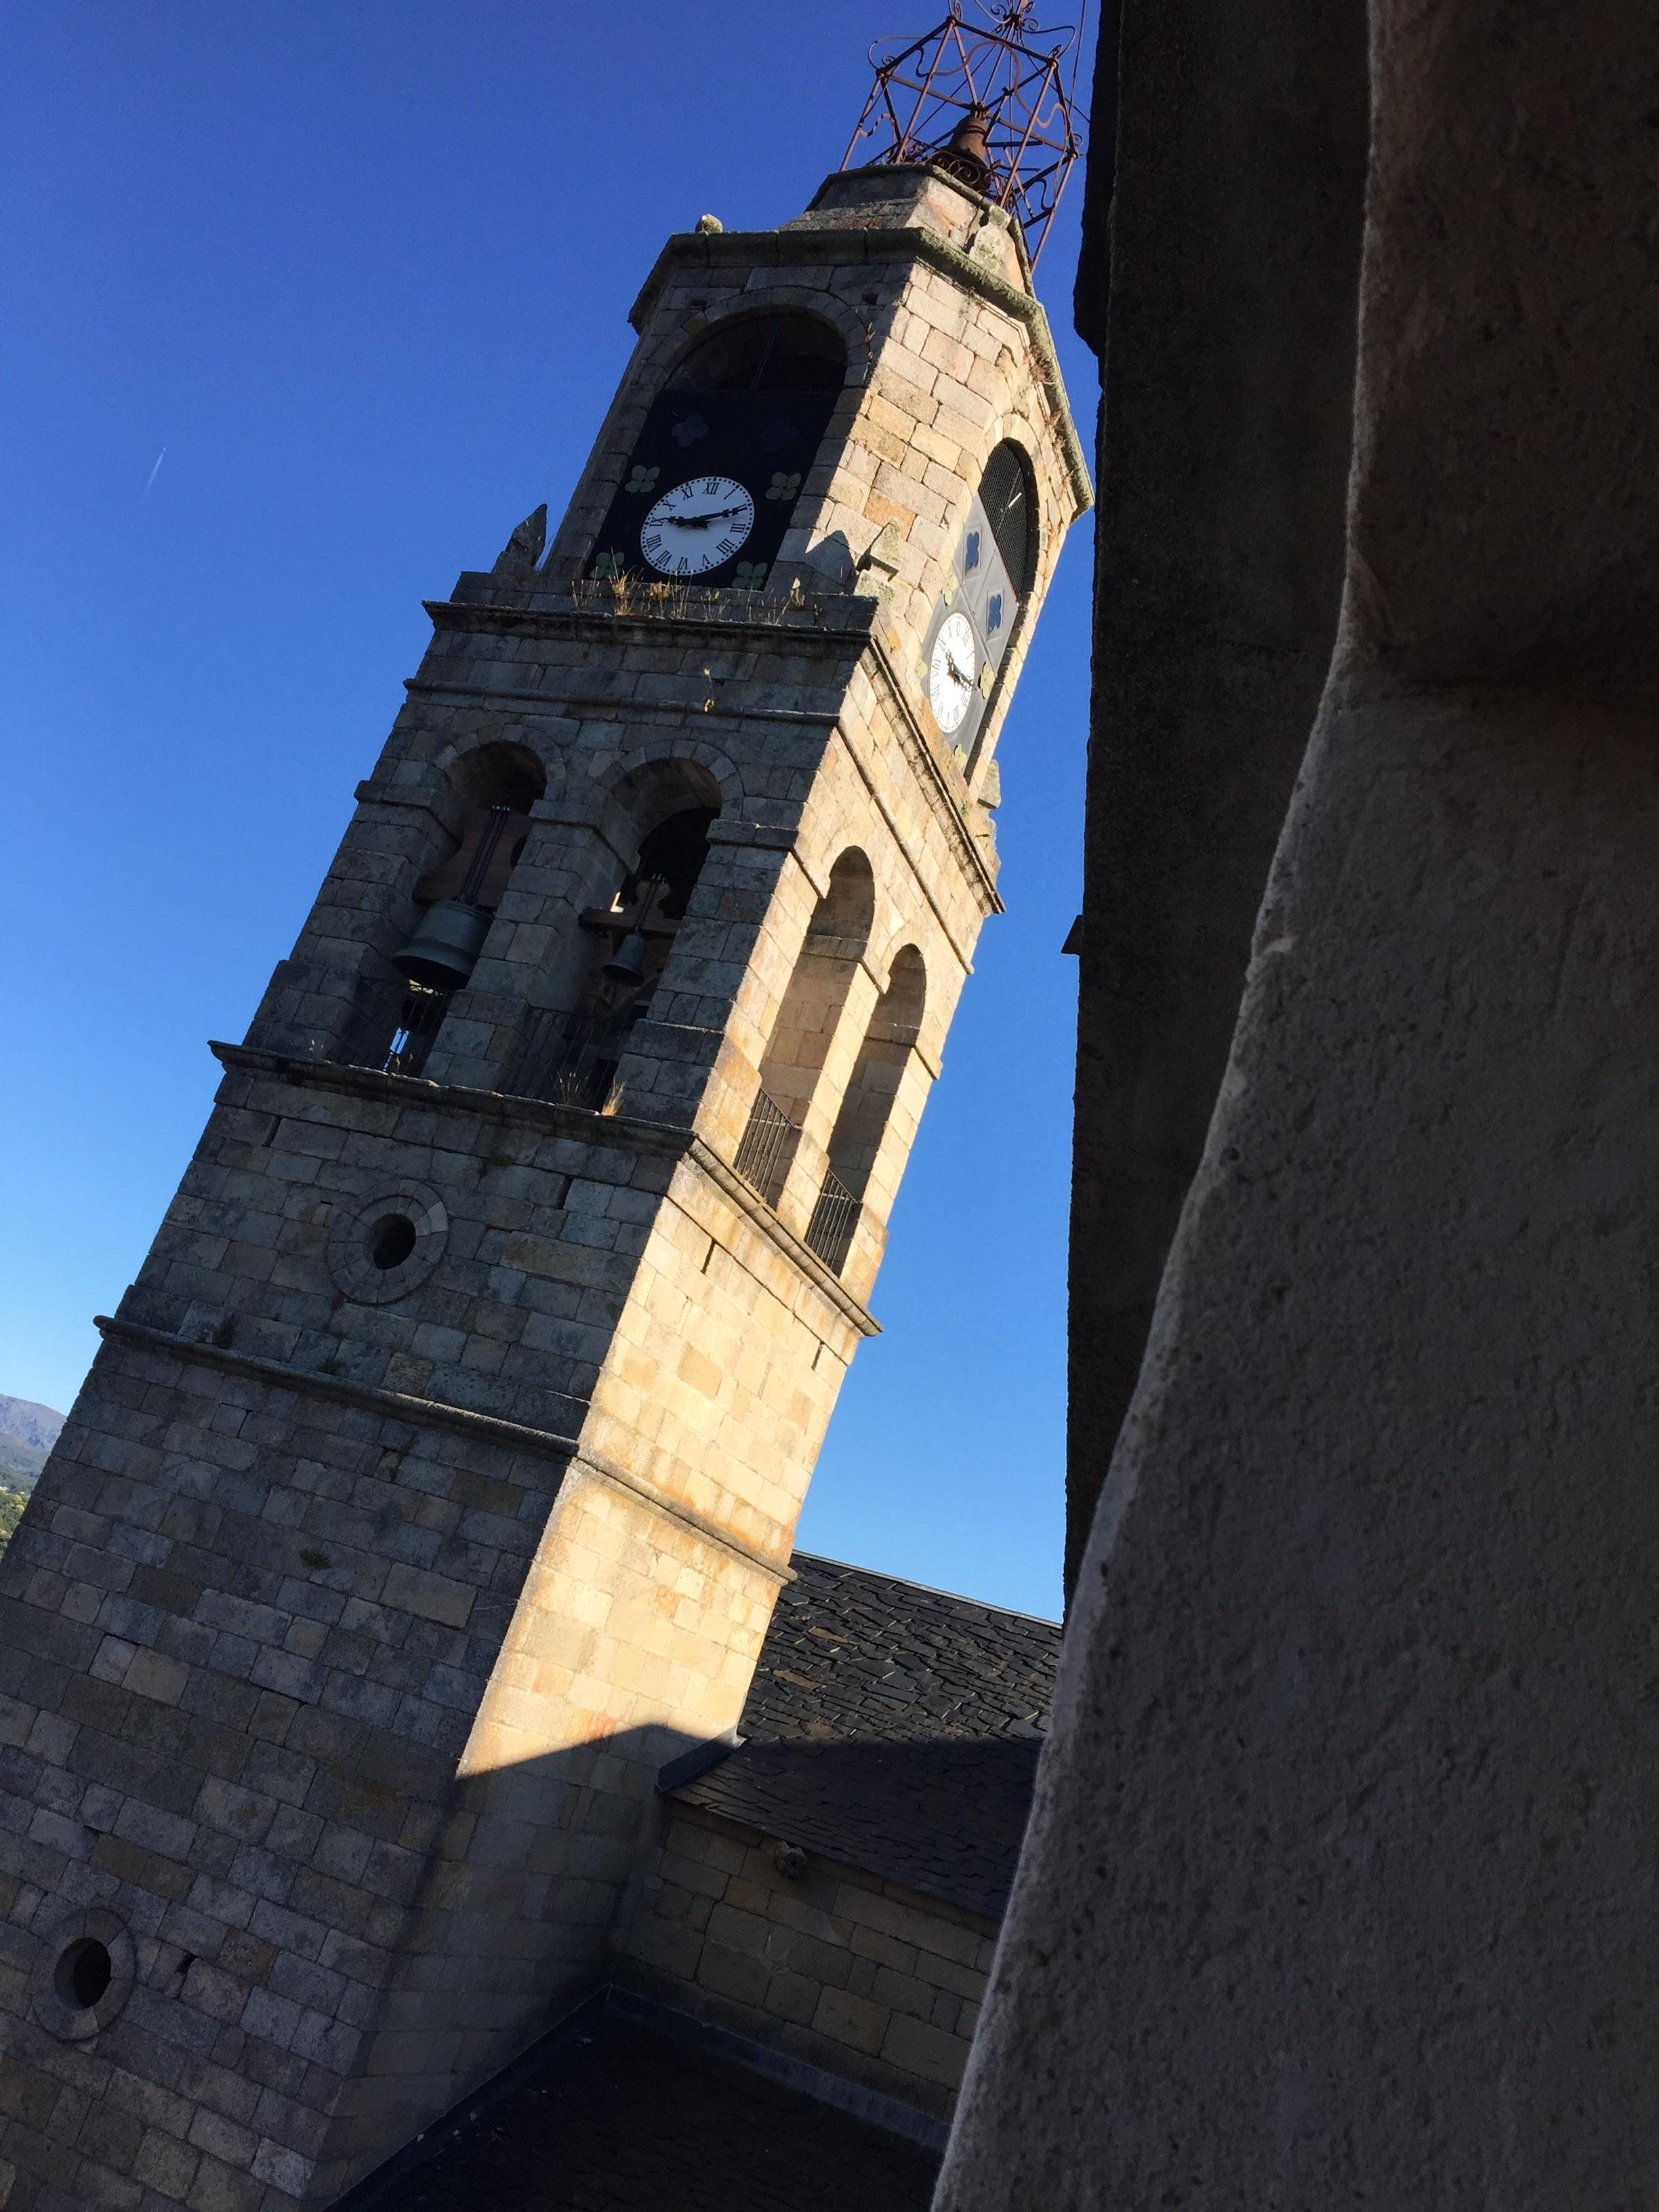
point(702, 522)
point(956, 673)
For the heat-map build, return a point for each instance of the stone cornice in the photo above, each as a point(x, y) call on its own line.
point(663, 1138)
point(531, 614)
point(433, 1413)
point(796, 249)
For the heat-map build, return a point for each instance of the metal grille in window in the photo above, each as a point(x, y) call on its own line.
point(572, 1059)
point(835, 1216)
point(1005, 494)
point(768, 1147)
point(419, 1020)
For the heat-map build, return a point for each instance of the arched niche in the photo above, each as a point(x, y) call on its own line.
point(453, 901)
point(785, 350)
point(659, 813)
point(715, 473)
point(856, 1140)
point(1007, 493)
point(996, 565)
point(808, 1018)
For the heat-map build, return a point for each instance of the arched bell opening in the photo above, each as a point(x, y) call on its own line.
point(496, 787)
point(867, 1108)
point(662, 814)
point(808, 1018)
point(714, 476)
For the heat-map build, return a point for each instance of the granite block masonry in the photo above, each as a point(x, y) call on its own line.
point(437, 1475)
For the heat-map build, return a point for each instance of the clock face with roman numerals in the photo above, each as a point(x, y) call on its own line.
point(697, 526)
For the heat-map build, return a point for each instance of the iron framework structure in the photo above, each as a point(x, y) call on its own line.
point(978, 98)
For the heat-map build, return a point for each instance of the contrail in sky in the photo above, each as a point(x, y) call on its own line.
point(160, 457)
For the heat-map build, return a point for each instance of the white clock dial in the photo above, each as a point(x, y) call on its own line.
point(952, 670)
point(698, 525)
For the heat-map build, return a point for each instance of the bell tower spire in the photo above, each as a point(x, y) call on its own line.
point(436, 1477)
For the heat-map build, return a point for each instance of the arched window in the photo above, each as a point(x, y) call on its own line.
point(713, 479)
point(572, 1055)
point(976, 619)
point(861, 1124)
point(456, 900)
point(806, 1023)
point(787, 352)
point(1009, 501)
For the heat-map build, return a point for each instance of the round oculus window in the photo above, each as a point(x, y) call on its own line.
point(383, 1247)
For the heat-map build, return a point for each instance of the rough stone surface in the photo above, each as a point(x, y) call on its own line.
point(1227, 353)
point(1340, 1888)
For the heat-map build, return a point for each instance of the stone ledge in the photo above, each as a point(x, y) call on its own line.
point(533, 612)
point(554, 706)
point(428, 1412)
point(392, 1405)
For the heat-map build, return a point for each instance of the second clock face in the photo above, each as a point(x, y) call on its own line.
point(696, 526)
point(951, 672)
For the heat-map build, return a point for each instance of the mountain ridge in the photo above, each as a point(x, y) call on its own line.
point(28, 1431)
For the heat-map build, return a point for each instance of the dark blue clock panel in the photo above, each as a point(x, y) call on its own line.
point(765, 440)
point(979, 587)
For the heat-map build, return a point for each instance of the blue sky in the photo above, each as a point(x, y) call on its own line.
point(358, 272)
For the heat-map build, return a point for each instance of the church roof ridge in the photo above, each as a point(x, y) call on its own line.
point(928, 1589)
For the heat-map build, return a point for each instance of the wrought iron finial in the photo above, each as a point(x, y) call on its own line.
point(976, 97)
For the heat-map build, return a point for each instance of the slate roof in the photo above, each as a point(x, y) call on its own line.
point(851, 1653)
point(893, 1729)
point(624, 2120)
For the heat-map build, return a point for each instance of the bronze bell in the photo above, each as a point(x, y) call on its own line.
point(444, 948)
point(627, 963)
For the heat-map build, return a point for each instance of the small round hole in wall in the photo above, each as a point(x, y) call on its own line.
point(83, 1973)
point(391, 1240)
point(383, 1244)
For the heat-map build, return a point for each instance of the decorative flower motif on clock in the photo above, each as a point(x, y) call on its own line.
point(642, 479)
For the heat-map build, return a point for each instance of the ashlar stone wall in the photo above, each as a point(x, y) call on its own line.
point(865, 1977)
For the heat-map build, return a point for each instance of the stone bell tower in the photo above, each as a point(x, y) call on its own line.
point(435, 1479)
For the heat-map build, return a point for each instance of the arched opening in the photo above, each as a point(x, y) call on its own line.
point(456, 899)
point(807, 1020)
point(714, 478)
point(855, 1141)
point(781, 352)
point(1008, 495)
point(994, 568)
point(662, 813)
